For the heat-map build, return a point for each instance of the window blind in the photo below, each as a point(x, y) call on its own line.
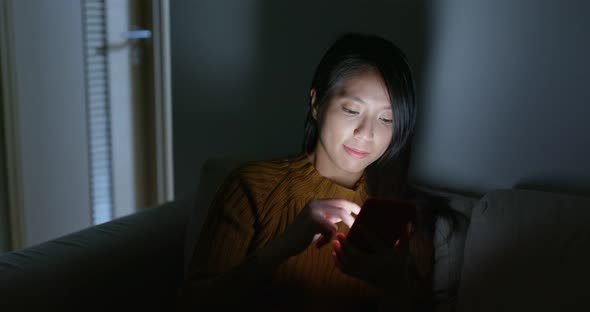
point(98, 110)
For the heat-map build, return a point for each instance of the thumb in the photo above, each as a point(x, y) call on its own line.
point(316, 238)
point(326, 230)
point(323, 238)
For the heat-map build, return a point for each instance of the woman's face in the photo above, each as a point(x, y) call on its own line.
point(355, 124)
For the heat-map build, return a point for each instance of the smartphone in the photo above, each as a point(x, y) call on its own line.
point(388, 218)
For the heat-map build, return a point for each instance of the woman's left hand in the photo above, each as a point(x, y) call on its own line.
point(384, 266)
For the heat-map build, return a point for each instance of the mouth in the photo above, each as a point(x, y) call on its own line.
point(355, 153)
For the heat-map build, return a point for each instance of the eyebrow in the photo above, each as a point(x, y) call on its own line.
point(358, 99)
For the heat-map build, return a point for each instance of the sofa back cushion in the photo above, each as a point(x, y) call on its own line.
point(449, 242)
point(213, 173)
point(526, 251)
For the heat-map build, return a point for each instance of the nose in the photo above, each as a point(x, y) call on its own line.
point(364, 130)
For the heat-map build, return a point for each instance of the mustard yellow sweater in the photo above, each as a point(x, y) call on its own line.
point(255, 204)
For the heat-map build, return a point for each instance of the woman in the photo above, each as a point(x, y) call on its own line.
point(274, 236)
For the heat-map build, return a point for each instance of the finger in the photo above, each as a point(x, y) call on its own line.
point(323, 225)
point(316, 237)
point(344, 204)
point(330, 212)
point(337, 255)
point(323, 240)
point(333, 219)
point(341, 236)
point(337, 246)
point(326, 230)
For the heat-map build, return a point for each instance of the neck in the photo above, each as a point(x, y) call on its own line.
point(329, 171)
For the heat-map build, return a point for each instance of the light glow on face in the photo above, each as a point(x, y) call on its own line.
point(355, 125)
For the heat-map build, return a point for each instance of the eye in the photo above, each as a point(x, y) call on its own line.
point(387, 121)
point(349, 111)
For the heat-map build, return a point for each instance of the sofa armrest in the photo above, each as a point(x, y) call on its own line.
point(135, 260)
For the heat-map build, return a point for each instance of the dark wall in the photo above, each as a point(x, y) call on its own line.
point(505, 98)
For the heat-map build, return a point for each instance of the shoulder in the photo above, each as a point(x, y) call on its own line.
point(259, 177)
point(262, 170)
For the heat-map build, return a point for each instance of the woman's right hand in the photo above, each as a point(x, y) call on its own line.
point(317, 223)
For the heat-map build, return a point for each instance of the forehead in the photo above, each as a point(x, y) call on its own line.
point(366, 86)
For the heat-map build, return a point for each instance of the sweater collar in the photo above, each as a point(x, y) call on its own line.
point(301, 162)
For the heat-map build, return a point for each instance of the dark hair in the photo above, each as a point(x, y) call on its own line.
point(352, 53)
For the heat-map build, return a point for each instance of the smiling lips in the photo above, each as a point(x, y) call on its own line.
point(355, 153)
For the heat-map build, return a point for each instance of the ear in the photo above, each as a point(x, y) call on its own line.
point(313, 103)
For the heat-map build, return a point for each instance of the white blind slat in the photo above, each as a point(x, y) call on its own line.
point(98, 110)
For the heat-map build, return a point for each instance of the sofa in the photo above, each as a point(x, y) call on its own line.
point(131, 262)
point(511, 250)
point(518, 250)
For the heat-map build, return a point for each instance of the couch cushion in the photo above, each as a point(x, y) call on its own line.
point(527, 251)
point(448, 246)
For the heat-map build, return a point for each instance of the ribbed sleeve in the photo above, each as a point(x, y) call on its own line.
point(226, 235)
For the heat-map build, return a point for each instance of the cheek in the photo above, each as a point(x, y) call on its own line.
point(385, 136)
point(335, 129)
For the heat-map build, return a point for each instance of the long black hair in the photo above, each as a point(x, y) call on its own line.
point(352, 53)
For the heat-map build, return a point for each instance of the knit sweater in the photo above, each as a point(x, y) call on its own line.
point(255, 204)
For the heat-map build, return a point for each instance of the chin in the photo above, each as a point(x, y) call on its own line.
point(355, 166)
